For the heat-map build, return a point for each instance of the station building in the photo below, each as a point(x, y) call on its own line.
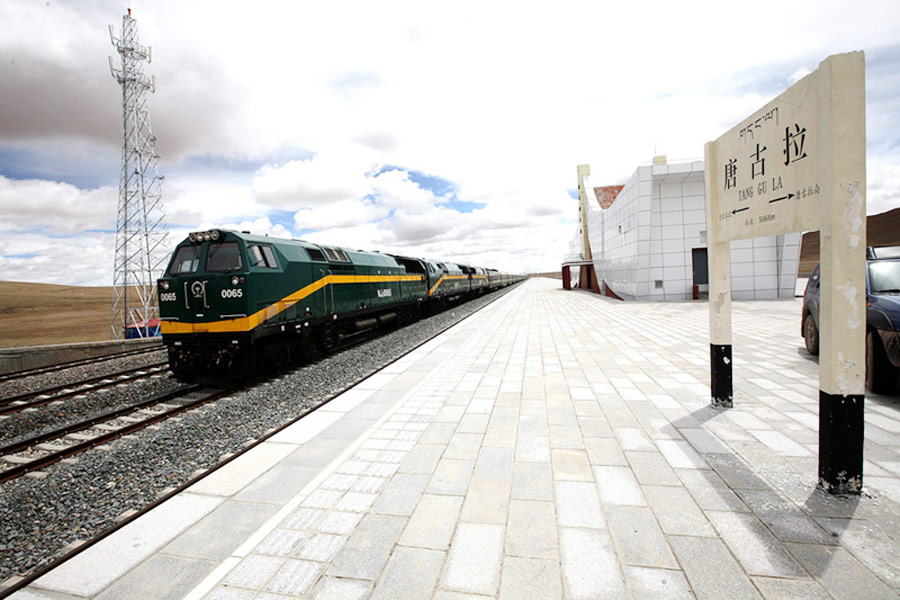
point(646, 240)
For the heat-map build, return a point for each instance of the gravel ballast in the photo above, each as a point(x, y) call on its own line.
point(103, 366)
point(41, 516)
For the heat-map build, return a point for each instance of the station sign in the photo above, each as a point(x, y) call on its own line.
point(799, 164)
point(767, 167)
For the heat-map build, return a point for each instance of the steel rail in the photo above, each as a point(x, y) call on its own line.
point(58, 455)
point(7, 405)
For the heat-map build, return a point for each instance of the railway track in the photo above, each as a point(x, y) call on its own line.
point(77, 363)
point(45, 449)
point(26, 400)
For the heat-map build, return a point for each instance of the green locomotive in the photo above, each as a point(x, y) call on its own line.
point(232, 302)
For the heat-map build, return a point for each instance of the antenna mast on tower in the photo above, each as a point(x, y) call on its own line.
point(140, 231)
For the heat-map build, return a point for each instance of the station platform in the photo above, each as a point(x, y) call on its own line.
point(553, 445)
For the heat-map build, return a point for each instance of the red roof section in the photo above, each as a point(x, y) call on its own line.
point(606, 195)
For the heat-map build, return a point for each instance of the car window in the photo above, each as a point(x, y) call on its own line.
point(884, 276)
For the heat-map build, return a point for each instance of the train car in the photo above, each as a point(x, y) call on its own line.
point(446, 282)
point(231, 302)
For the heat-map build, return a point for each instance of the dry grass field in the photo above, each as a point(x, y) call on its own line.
point(32, 314)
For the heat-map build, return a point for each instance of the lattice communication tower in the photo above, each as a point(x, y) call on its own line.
point(141, 236)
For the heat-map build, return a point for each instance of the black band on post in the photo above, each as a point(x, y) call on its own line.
point(720, 375)
point(841, 442)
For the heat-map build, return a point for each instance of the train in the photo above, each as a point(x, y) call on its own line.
point(233, 303)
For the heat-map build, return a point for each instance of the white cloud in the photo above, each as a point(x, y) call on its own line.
point(261, 226)
point(368, 237)
point(323, 179)
point(85, 259)
point(191, 200)
point(883, 185)
point(799, 74)
point(343, 213)
point(395, 190)
point(55, 208)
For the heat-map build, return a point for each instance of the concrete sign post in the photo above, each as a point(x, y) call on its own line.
point(583, 172)
point(798, 164)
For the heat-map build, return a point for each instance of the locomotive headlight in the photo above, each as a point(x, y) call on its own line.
point(235, 280)
point(164, 285)
point(206, 236)
point(214, 235)
point(192, 236)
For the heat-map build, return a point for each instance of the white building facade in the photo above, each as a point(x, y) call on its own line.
point(650, 243)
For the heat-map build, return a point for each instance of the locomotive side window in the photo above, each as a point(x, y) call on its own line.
point(336, 254)
point(186, 260)
point(271, 262)
point(316, 254)
point(262, 256)
point(223, 257)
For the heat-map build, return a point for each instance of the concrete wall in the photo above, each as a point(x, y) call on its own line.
point(34, 357)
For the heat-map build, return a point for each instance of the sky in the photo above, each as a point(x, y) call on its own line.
point(446, 130)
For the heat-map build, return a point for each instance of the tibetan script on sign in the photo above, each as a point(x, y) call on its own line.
point(765, 168)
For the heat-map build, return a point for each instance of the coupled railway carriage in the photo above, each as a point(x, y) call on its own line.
point(233, 302)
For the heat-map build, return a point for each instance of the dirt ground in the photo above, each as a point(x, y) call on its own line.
point(33, 314)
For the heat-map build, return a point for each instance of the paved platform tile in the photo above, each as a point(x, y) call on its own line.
point(401, 494)
point(295, 577)
point(473, 564)
point(368, 548)
point(532, 578)
point(589, 566)
point(254, 572)
point(677, 512)
point(656, 584)
point(618, 485)
point(432, 523)
point(532, 481)
point(532, 530)
point(578, 505)
point(638, 538)
point(451, 477)
point(711, 570)
point(220, 532)
point(839, 572)
point(487, 500)
point(410, 573)
point(333, 588)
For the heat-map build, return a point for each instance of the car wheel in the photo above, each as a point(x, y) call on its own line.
point(878, 369)
point(811, 334)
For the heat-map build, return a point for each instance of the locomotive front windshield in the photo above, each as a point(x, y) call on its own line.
point(186, 261)
point(223, 257)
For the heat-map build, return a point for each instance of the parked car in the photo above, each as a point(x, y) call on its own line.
point(882, 317)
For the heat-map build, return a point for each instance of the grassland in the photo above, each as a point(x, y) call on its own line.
point(32, 314)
